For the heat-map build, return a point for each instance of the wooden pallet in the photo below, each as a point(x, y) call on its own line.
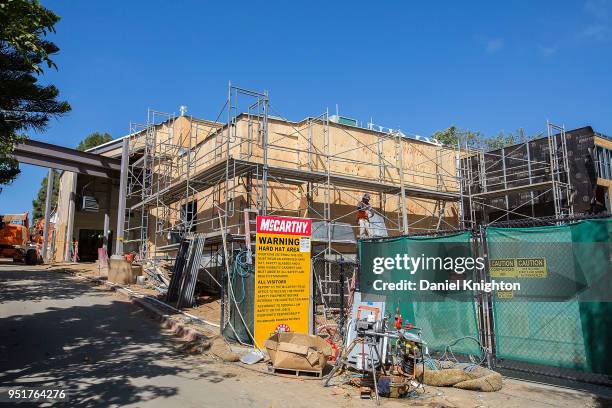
point(298, 373)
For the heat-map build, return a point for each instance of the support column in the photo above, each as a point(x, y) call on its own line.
point(106, 229)
point(507, 203)
point(400, 165)
point(530, 179)
point(122, 196)
point(264, 146)
point(47, 213)
point(70, 223)
point(109, 188)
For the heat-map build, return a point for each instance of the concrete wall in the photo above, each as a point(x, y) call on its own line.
point(63, 205)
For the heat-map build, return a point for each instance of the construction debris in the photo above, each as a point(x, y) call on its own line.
point(181, 290)
point(298, 352)
point(157, 276)
point(252, 357)
point(216, 346)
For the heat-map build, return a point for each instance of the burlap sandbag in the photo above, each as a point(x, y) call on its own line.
point(441, 378)
point(464, 376)
point(488, 383)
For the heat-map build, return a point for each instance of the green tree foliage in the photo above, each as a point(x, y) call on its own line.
point(24, 103)
point(453, 135)
point(9, 168)
point(38, 204)
point(93, 140)
point(23, 24)
point(498, 141)
point(503, 139)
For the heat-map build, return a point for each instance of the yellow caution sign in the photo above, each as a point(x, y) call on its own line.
point(282, 276)
point(518, 268)
point(502, 268)
point(505, 294)
point(531, 267)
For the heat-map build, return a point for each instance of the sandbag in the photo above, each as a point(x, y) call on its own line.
point(463, 376)
point(441, 378)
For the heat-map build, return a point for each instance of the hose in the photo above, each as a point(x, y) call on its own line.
point(241, 269)
point(450, 356)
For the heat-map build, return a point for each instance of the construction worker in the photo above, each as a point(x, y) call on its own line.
point(364, 210)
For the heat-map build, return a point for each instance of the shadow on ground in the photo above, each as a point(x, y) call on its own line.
point(35, 285)
point(102, 351)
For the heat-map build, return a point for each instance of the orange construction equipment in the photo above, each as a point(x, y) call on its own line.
point(15, 239)
point(38, 232)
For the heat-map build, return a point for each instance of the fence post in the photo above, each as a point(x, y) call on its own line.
point(313, 297)
point(223, 294)
point(341, 321)
point(480, 296)
point(490, 326)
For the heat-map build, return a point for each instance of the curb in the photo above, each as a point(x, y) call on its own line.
point(166, 321)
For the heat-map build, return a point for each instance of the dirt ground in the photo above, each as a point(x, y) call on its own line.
point(256, 381)
point(208, 306)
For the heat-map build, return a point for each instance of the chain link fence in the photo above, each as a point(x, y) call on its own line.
point(559, 325)
point(557, 328)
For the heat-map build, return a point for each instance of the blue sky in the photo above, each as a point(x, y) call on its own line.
point(422, 66)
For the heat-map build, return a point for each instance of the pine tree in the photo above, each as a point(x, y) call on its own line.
point(25, 104)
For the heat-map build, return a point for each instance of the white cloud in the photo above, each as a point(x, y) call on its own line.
point(598, 8)
point(548, 50)
point(597, 31)
point(494, 44)
point(598, 27)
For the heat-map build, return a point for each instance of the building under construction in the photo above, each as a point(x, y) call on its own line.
point(558, 175)
point(185, 207)
point(182, 176)
point(185, 174)
point(189, 175)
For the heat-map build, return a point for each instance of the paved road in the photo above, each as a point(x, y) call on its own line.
point(57, 332)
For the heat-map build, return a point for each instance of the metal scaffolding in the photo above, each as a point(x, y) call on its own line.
point(188, 175)
point(182, 174)
point(532, 172)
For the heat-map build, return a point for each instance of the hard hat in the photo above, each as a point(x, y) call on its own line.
point(366, 196)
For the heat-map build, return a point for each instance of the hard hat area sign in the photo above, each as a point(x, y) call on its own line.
point(282, 276)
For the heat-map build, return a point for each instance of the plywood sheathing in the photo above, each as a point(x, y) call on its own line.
point(353, 152)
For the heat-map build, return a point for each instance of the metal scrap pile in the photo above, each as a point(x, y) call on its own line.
point(181, 290)
point(157, 276)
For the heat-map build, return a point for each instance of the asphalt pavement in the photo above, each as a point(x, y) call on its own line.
point(56, 332)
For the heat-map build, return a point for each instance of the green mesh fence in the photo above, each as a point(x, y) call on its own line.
point(559, 319)
point(443, 316)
